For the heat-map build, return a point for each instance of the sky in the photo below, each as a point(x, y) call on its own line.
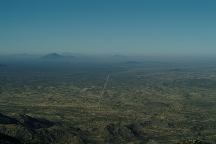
point(148, 27)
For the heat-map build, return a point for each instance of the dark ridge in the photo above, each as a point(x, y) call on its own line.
point(193, 142)
point(56, 56)
point(7, 120)
point(134, 132)
point(133, 62)
point(35, 123)
point(117, 133)
point(64, 135)
point(52, 56)
point(175, 70)
point(136, 129)
point(5, 139)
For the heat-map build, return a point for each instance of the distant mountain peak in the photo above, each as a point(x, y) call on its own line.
point(56, 56)
point(53, 56)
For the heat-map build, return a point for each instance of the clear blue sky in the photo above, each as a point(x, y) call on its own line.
point(181, 27)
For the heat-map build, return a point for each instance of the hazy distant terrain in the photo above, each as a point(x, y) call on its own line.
point(60, 102)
